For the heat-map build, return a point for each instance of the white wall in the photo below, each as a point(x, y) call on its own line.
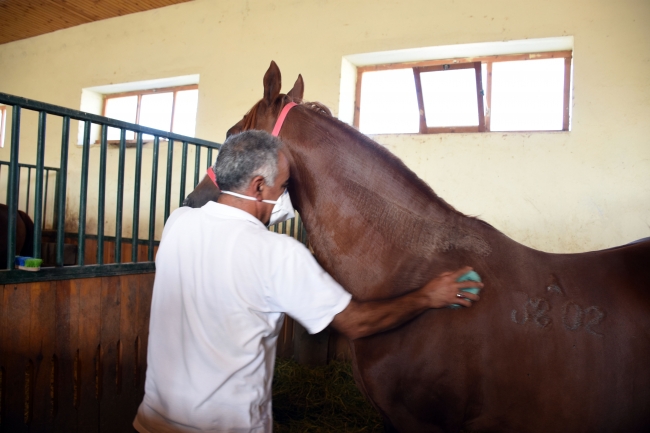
point(563, 192)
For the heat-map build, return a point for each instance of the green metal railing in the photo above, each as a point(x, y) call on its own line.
point(13, 179)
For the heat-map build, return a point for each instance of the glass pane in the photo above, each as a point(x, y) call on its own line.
point(450, 97)
point(156, 111)
point(124, 109)
point(185, 112)
point(527, 95)
point(389, 104)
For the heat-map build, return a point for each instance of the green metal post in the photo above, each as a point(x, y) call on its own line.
point(168, 178)
point(29, 187)
point(120, 198)
point(47, 186)
point(210, 161)
point(13, 185)
point(136, 199)
point(152, 202)
point(197, 164)
point(101, 210)
point(61, 190)
point(183, 174)
point(38, 188)
point(83, 195)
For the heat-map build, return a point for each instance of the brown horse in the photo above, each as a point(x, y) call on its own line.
point(24, 235)
point(559, 342)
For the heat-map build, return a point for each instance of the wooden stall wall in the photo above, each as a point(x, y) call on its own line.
point(73, 353)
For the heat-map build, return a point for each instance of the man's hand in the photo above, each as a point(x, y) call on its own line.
point(360, 319)
point(443, 290)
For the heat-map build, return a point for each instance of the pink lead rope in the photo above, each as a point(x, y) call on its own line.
point(276, 131)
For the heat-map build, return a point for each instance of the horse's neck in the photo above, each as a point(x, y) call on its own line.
point(370, 218)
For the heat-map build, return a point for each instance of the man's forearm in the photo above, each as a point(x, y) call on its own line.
point(361, 319)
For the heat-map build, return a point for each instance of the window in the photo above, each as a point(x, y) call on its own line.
point(3, 123)
point(170, 109)
point(477, 87)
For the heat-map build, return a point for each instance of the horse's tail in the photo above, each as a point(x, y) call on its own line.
point(28, 245)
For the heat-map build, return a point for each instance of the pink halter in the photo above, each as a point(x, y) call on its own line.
point(283, 115)
point(276, 131)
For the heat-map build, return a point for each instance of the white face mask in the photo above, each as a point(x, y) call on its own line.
point(282, 209)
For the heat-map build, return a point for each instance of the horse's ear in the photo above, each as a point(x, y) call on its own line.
point(272, 83)
point(298, 89)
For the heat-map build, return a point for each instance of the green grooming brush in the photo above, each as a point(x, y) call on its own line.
point(28, 263)
point(469, 276)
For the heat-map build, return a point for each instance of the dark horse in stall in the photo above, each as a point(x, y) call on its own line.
point(559, 342)
point(24, 235)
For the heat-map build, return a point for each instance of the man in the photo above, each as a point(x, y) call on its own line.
point(223, 282)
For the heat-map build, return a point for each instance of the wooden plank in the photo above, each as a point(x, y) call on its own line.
point(89, 354)
point(460, 60)
point(3, 354)
point(109, 414)
point(42, 338)
point(90, 252)
point(450, 129)
point(126, 389)
point(66, 343)
point(145, 290)
point(16, 346)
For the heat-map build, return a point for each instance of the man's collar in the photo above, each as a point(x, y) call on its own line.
point(230, 212)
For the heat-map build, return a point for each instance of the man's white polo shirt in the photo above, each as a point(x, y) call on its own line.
point(223, 282)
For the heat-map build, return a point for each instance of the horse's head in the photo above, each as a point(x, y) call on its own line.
point(261, 116)
point(265, 112)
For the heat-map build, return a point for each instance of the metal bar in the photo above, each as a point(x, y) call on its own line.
point(29, 187)
point(210, 163)
point(38, 188)
point(152, 203)
point(13, 185)
point(72, 272)
point(183, 174)
point(47, 190)
point(83, 116)
point(197, 164)
point(61, 190)
point(101, 209)
point(136, 200)
point(83, 195)
point(168, 178)
point(120, 198)
point(292, 226)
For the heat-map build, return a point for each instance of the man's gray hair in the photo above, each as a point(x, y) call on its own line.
point(244, 156)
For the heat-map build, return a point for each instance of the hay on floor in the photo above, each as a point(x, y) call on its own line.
point(319, 400)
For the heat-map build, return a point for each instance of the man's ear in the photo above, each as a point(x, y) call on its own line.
point(298, 89)
point(272, 83)
point(256, 186)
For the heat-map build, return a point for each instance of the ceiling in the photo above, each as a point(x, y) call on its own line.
point(21, 19)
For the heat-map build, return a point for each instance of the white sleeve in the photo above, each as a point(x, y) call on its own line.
point(301, 288)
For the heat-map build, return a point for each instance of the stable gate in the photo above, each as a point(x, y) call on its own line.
point(73, 339)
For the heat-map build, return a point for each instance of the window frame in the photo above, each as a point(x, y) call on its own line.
point(460, 63)
point(140, 94)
